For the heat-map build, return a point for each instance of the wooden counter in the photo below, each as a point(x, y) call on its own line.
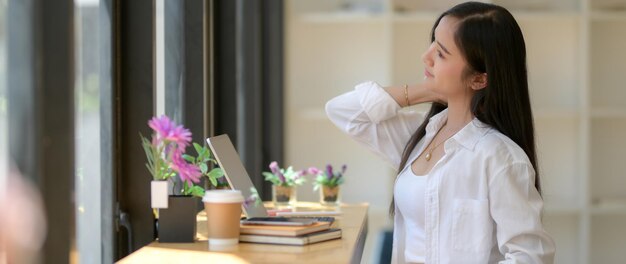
point(348, 249)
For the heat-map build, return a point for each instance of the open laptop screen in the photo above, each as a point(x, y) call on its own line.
point(235, 173)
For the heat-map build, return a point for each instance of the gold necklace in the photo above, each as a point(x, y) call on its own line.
point(430, 152)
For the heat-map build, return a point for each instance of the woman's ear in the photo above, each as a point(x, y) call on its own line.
point(479, 81)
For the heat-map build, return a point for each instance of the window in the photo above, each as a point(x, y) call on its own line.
point(3, 92)
point(170, 61)
point(3, 81)
point(87, 182)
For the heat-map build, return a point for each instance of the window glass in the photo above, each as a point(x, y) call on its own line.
point(87, 125)
point(170, 61)
point(4, 146)
point(169, 44)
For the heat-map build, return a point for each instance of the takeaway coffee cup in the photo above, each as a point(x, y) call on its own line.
point(223, 210)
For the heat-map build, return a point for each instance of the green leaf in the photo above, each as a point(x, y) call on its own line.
point(203, 168)
point(268, 175)
point(322, 179)
point(198, 148)
point(196, 191)
point(213, 181)
point(189, 158)
point(149, 169)
point(288, 172)
point(299, 181)
point(340, 181)
point(206, 154)
point(216, 173)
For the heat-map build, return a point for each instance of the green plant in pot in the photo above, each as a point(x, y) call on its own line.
point(284, 183)
point(167, 161)
point(328, 182)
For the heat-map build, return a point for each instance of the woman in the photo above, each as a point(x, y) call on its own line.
point(467, 190)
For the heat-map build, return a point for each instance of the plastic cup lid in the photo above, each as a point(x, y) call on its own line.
point(223, 196)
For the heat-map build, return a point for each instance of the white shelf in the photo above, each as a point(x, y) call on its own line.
point(607, 58)
point(608, 112)
point(320, 113)
point(341, 17)
point(607, 5)
point(555, 113)
point(312, 113)
point(416, 16)
point(565, 230)
point(545, 15)
point(608, 15)
point(607, 238)
point(556, 206)
point(609, 209)
point(606, 156)
point(431, 16)
point(576, 60)
point(539, 6)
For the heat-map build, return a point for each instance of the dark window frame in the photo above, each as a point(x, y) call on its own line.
point(245, 104)
point(41, 97)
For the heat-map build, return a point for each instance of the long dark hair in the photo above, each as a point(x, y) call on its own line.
point(491, 41)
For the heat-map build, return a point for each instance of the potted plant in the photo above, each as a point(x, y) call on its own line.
point(176, 207)
point(328, 182)
point(284, 183)
point(203, 160)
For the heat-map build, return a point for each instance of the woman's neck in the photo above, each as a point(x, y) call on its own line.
point(459, 114)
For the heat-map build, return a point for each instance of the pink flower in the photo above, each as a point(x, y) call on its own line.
point(161, 125)
point(313, 171)
point(187, 172)
point(166, 130)
point(181, 136)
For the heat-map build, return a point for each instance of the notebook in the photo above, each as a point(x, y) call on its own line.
point(311, 238)
point(293, 231)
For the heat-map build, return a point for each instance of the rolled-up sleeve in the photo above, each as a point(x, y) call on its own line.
point(516, 206)
point(373, 118)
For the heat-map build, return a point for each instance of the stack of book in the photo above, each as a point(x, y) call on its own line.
point(289, 235)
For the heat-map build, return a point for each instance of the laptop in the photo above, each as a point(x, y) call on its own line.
point(235, 173)
point(238, 179)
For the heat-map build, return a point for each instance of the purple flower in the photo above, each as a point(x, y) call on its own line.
point(300, 174)
point(343, 170)
point(276, 171)
point(166, 129)
point(329, 172)
point(187, 172)
point(313, 171)
point(274, 167)
point(250, 200)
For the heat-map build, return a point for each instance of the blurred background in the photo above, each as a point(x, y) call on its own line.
point(73, 99)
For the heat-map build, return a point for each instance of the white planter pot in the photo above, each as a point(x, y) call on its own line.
point(159, 194)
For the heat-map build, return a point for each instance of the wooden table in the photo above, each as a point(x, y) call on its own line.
point(348, 249)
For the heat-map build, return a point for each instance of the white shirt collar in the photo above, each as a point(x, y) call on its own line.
point(467, 137)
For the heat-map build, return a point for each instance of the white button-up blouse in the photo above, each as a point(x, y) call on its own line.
point(481, 205)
